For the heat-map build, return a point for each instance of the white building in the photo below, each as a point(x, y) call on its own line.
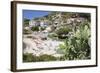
point(41, 23)
point(34, 23)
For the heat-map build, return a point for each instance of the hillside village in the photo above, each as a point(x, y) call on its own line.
point(44, 35)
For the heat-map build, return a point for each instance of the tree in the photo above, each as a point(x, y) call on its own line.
point(62, 32)
point(35, 28)
point(26, 22)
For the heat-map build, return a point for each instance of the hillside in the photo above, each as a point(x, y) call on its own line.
point(58, 35)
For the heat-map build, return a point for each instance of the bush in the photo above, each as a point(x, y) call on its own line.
point(76, 46)
point(29, 37)
point(25, 31)
point(28, 57)
point(42, 28)
point(46, 57)
point(62, 32)
point(35, 28)
point(26, 22)
point(52, 35)
point(32, 58)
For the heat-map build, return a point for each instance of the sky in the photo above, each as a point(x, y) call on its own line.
point(30, 14)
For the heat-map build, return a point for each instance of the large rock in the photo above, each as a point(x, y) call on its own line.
point(39, 47)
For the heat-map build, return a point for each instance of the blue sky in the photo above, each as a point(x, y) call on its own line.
point(30, 14)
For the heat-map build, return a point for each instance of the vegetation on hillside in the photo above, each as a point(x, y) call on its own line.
point(76, 36)
point(77, 46)
point(26, 22)
point(32, 58)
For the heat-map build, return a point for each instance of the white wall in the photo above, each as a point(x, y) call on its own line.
point(5, 37)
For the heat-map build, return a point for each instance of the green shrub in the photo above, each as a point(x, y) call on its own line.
point(35, 28)
point(51, 35)
point(32, 58)
point(26, 22)
point(42, 28)
point(28, 57)
point(76, 46)
point(29, 37)
point(62, 32)
point(46, 57)
point(25, 31)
